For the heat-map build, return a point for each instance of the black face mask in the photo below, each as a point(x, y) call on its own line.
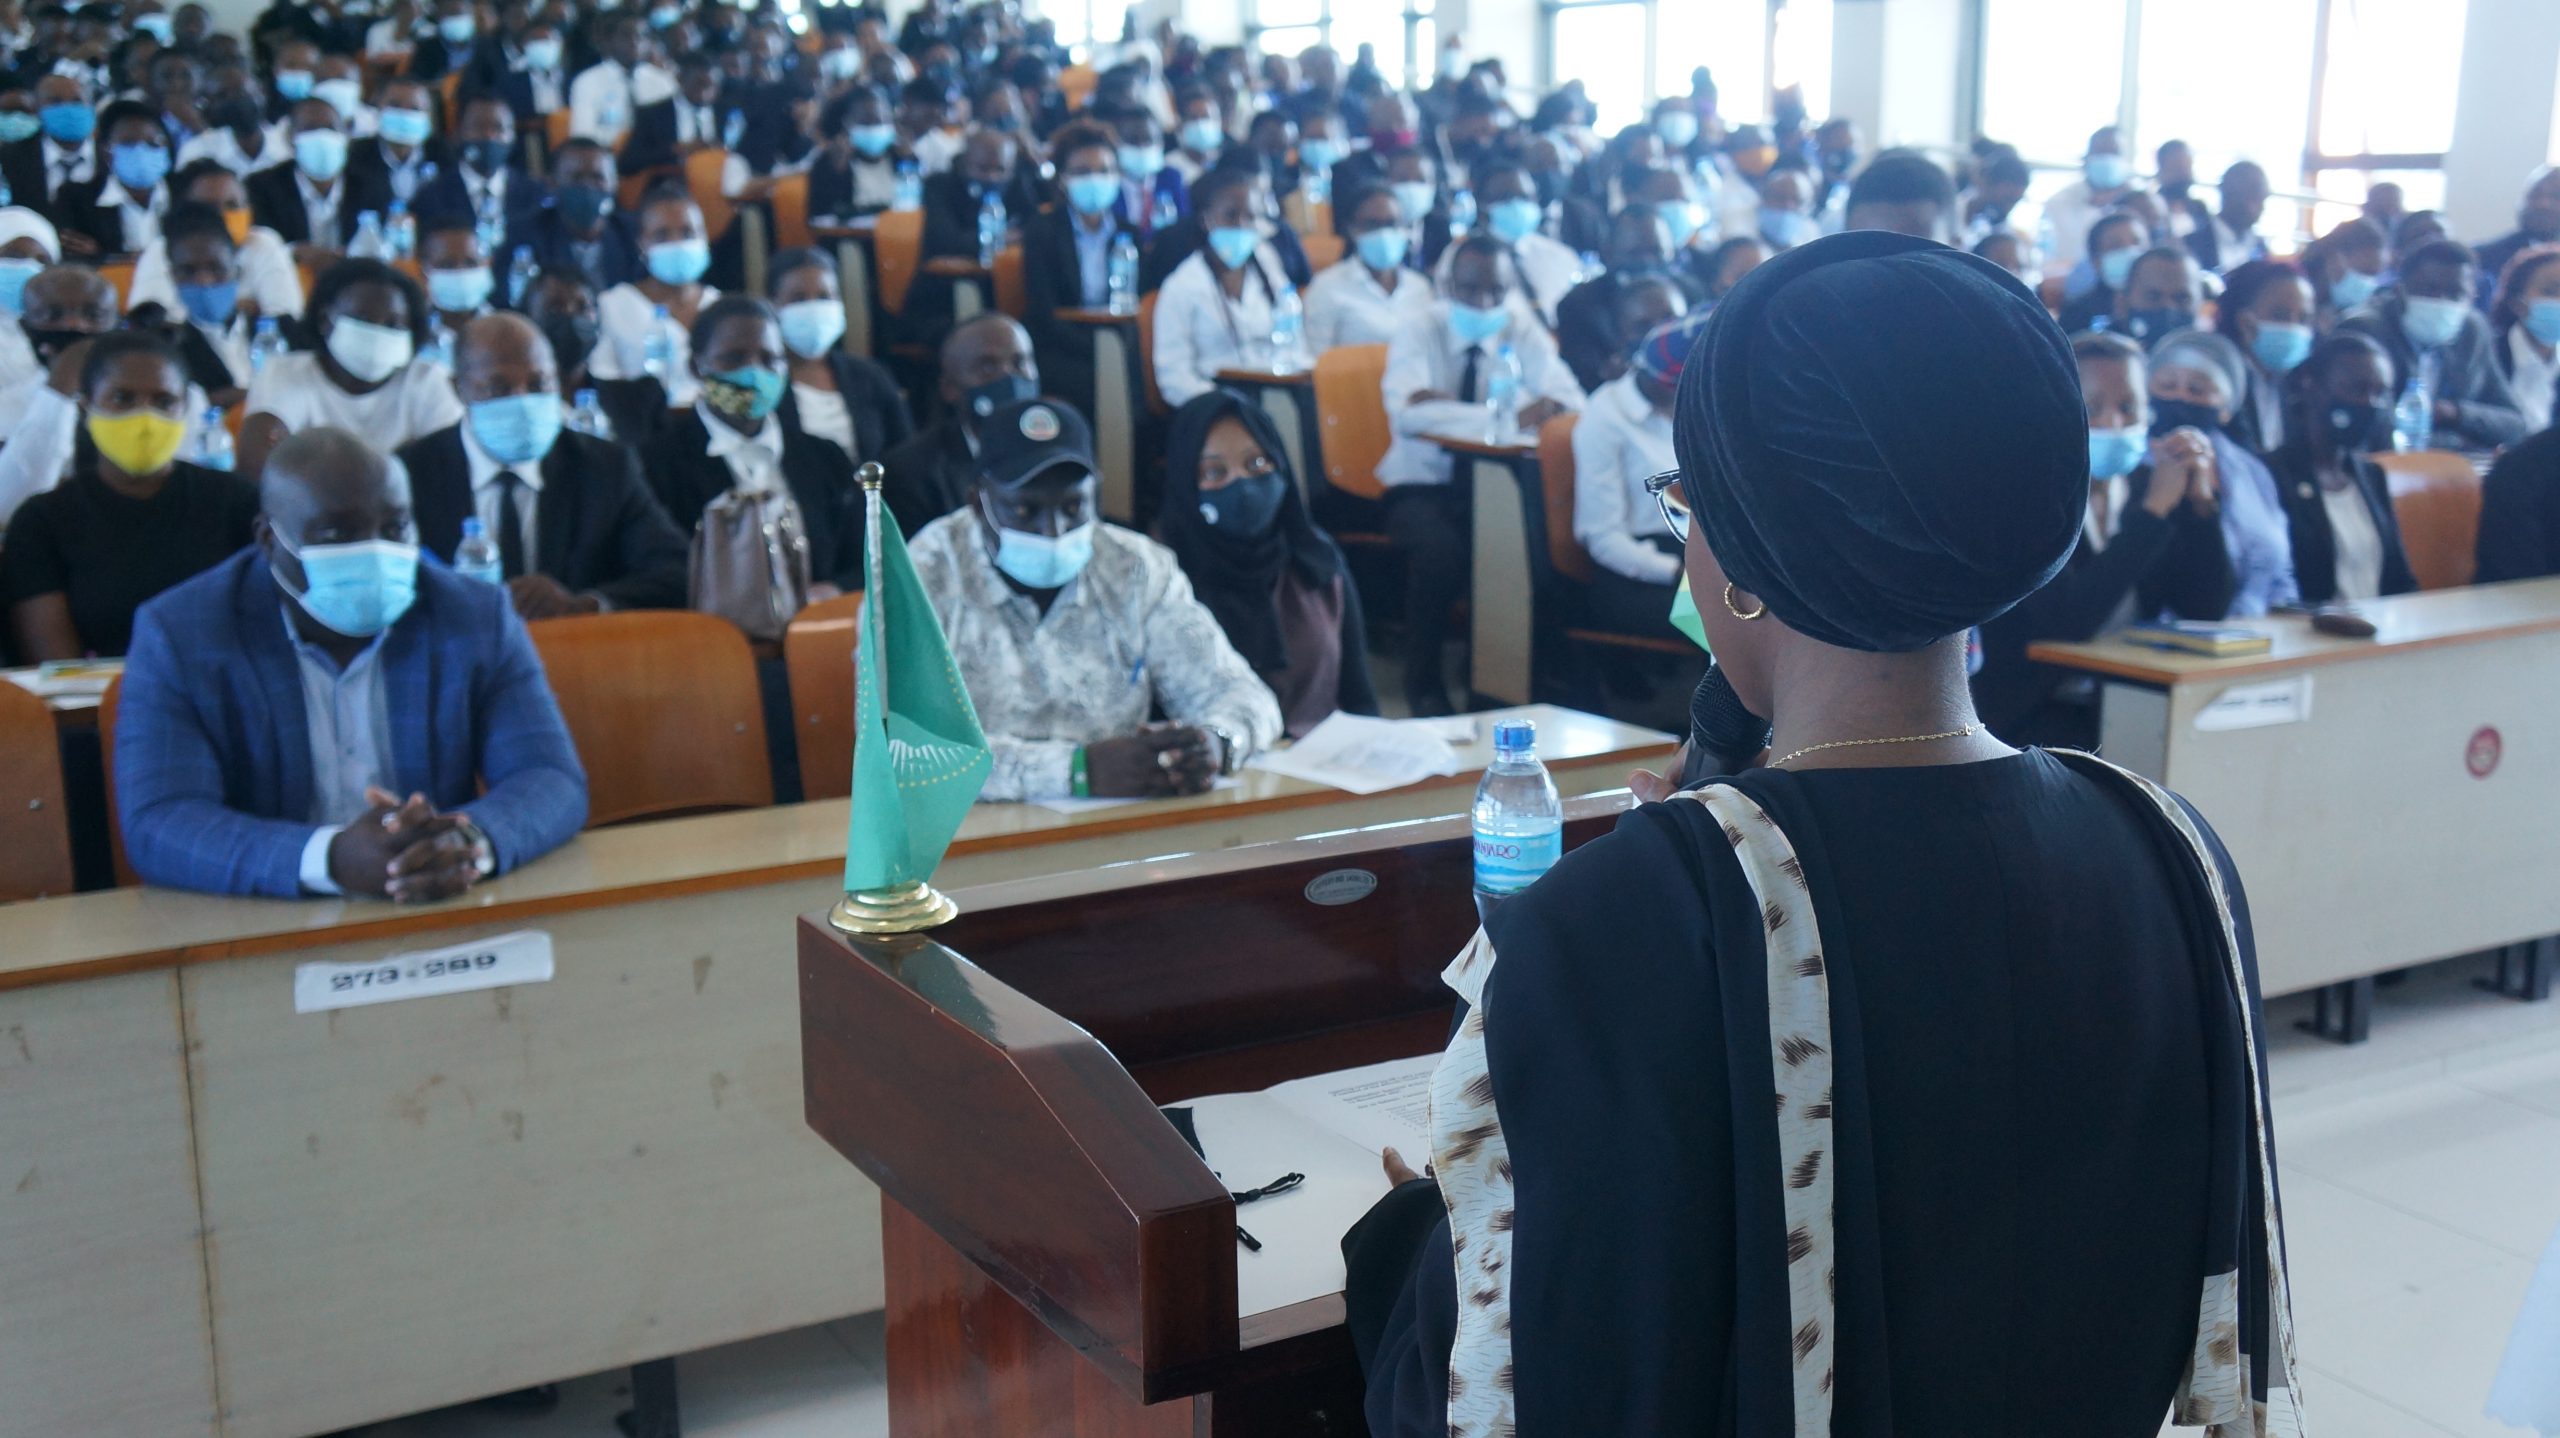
point(2169, 414)
point(581, 206)
point(572, 337)
point(486, 156)
point(2358, 428)
point(48, 344)
point(2148, 326)
point(1244, 509)
point(994, 395)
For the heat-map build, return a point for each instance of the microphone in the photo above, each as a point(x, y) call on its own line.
point(1724, 735)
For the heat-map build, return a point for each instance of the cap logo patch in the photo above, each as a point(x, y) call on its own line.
point(1039, 424)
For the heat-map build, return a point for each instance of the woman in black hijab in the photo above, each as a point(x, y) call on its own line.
point(1906, 1084)
point(1235, 519)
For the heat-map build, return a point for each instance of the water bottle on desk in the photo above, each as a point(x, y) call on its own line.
point(520, 276)
point(1123, 275)
point(401, 231)
point(1288, 331)
point(910, 195)
point(369, 243)
point(991, 224)
point(476, 557)
point(1462, 213)
point(1501, 396)
point(1165, 214)
point(1519, 821)
point(587, 417)
point(658, 352)
point(2413, 422)
point(213, 442)
point(492, 227)
point(265, 344)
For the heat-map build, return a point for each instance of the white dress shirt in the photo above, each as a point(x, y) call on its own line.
point(624, 317)
point(603, 95)
point(219, 145)
point(1620, 442)
point(1548, 268)
point(348, 714)
point(823, 415)
point(2356, 540)
point(754, 460)
point(409, 174)
point(936, 149)
point(1347, 306)
point(141, 214)
point(2067, 218)
point(1127, 637)
point(2534, 379)
point(1199, 331)
point(267, 275)
point(487, 494)
point(417, 400)
point(1429, 357)
point(321, 210)
point(66, 164)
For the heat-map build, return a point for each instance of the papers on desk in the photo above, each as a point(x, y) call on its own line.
point(1087, 806)
point(1361, 755)
point(1329, 1127)
point(67, 678)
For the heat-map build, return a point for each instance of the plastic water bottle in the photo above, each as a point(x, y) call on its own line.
point(369, 243)
point(492, 227)
point(1123, 274)
point(1288, 331)
point(402, 231)
point(213, 442)
point(1165, 214)
point(910, 195)
point(658, 352)
point(2413, 422)
point(1462, 213)
point(587, 417)
point(1519, 821)
point(264, 345)
point(1501, 396)
point(476, 557)
point(520, 276)
point(5, 200)
point(733, 130)
point(991, 222)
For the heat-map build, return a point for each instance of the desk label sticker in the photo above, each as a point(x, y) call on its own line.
point(2257, 706)
point(523, 957)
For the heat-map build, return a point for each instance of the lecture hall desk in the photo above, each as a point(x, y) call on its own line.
point(2402, 801)
point(220, 1217)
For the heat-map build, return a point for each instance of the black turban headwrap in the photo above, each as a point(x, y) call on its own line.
point(1883, 439)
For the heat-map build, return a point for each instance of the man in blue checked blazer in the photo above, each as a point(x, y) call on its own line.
point(319, 713)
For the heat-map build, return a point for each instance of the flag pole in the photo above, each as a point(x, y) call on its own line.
point(914, 905)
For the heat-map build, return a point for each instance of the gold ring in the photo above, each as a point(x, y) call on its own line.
point(1735, 610)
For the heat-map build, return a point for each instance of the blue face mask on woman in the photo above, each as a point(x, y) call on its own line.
point(2116, 266)
point(2281, 347)
point(1234, 245)
point(360, 589)
point(679, 262)
point(1245, 507)
point(1093, 194)
point(2433, 323)
point(1202, 136)
point(14, 275)
point(1682, 217)
point(2352, 288)
point(1384, 249)
point(872, 141)
point(2115, 453)
point(2541, 320)
point(1414, 199)
point(211, 305)
point(139, 168)
point(1514, 220)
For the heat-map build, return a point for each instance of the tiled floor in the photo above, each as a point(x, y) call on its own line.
point(2422, 1181)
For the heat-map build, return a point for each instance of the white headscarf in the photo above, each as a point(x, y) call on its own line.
point(18, 222)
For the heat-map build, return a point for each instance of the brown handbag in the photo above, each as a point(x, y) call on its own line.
point(750, 561)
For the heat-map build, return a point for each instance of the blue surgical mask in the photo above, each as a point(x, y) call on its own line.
point(139, 168)
point(1234, 245)
point(294, 84)
point(344, 96)
point(460, 291)
point(322, 154)
point(1093, 194)
point(16, 125)
point(1514, 220)
point(1141, 161)
point(2106, 172)
point(2116, 266)
point(1036, 561)
point(1203, 136)
point(2432, 324)
point(158, 26)
point(542, 54)
point(2541, 320)
point(872, 141)
point(517, 429)
point(405, 127)
point(1384, 249)
point(1319, 155)
point(457, 29)
point(1414, 199)
point(360, 589)
point(1474, 326)
point(679, 262)
point(2352, 288)
point(2115, 453)
point(2281, 347)
point(1785, 228)
point(67, 123)
point(664, 17)
point(812, 327)
point(1245, 508)
point(209, 305)
point(1678, 129)
point(1682, 217)
point(14, 275)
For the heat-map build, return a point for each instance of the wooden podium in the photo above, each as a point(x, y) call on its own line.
point(1058, 1261)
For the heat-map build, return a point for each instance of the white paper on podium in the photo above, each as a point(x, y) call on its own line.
point(1329, 1127)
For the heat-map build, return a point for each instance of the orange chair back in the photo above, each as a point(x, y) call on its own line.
point(2436, 497)
point(35, 836)
point(1076, 83)
point(126, 878)
point(1555, 471)
point(1324, 250)
point(702, 172)
point(790, 200)
point(818, 651)
point(1147, 354)
point(664, 709)
point(450, 87)
point(897, 247)
point(555, 129)
point(636, 183)
point(1011, 296)
point(119, 273)
point(1351, 413)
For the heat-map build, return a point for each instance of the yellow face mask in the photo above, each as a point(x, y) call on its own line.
point(237, 222)
point(142, 442)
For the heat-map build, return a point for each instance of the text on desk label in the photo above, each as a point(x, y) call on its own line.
point(523, 957)
point(1342, 886)
point(2256, 706)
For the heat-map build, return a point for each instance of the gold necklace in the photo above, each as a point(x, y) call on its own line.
point(1966, 732)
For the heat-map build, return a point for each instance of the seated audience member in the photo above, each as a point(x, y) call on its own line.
point(2345, 535)
point(2196, 380)
point(1905, 192)
point(1153, 194)
point(2417, 230)
point(237, 135)
point(1071, 633)
point(2537, 223)
point(2151, 545)
point(2525, 326)
point(403, 154)
point(39, 167)
point(2229, 238)
point(1215, 310)
point(2106, 181)
point(728, 441)
point(116, 211)
point(932, 120)
point(580, 226)
point(309, 204)
point(28, 243)
point(856, 172)
point(604, 95)
point(836, 395)
point(1371, 292)
point(1236, 522)
point(524, 72)
point(1645, 304)
point(365, 373)
point(1200, 137)
point(211, 322)
point(485, 186)
point(428, 754)
point(269, 283)
point(985, 363)
point(2000, 182)
point(2520, 513)
point(1066, 255)
point(577, 528)
point(2013, 252)
point(1636, 244)
point(2434, 336)
point(130, 521)
point(1669, 194)
point(459, 281)
point(2091, 289)
point(2265, 311)
point(1785, 215)
point(40, 414)
point(562, 304)
point(1512, 214)
point(657, 311)
point(1717, 269)
point(954, 198)
point(451, 46)
point(1622, 441)
point(2163, 293)
point(1171, 245)
point(2345, 268)
point(1435, 383)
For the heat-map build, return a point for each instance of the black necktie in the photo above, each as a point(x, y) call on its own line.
point(1467, 379)
point(510, 526)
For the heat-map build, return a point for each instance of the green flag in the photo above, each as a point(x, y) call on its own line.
point(919, 757)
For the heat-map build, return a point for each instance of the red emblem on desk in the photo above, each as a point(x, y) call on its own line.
point(2482, 754)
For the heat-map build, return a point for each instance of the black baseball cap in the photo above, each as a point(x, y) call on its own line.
point(1028, 438)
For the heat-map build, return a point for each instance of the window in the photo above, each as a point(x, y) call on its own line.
point(2223, 78)
point(1750, 46)
point(1592, 42)
point(2051, 74)
point(1399, 36)
point(1087, 25)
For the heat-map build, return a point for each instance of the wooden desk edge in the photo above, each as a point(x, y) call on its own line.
point(2110, 659)
point(1486, 448)
point(1100, 319)
point(1278, 378)
point(389, 922)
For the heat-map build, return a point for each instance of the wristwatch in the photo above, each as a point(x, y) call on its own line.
point(1230, 752)
point(484, 855)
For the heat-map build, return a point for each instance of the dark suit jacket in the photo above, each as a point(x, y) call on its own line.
point(618, 259)
point(433, 59)
point(2519, 512)
point(1174, 244)
point(369, 170)
point(871, 398)
point(929, 476)
point(22, 167)
point(2315, 544)
point(819, 476)
point(2467, 372)
point(951, 212)
point(1587, 321)
point(1052, 274)
point(831, 184)
point(275, 201)
point(597, 527)
point(447, 200)
point(77, 208)
point(652, 141)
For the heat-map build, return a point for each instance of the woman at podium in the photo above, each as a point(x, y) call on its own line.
point(1908, 1082)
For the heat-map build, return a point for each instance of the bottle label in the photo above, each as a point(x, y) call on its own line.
point(1508, 863)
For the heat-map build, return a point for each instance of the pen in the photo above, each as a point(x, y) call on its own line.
point(1251, 1243)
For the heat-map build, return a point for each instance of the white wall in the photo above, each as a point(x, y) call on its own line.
point(1898, 68)
point(2502, 120)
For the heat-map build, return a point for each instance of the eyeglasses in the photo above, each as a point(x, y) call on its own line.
point(1665, 489)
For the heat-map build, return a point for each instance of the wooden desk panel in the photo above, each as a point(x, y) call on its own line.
point(2406, 622)
point(1115, 406)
